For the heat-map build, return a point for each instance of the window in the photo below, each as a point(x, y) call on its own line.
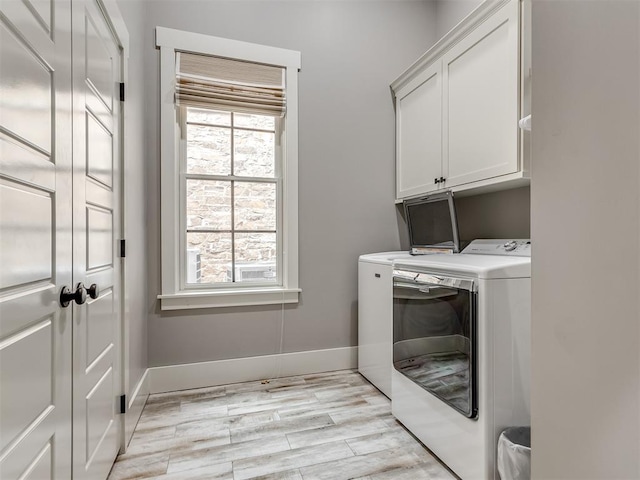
point(228, 172)
point(232, 182)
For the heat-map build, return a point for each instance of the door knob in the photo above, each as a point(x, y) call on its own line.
point(93, 291)
point(79, 296)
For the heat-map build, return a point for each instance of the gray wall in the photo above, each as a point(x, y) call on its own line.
point(351, 51)
point(450, 12)
point(586, 252)
point(502, 214)
point(133, 13)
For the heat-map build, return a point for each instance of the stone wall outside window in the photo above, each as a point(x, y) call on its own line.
point(209, 202)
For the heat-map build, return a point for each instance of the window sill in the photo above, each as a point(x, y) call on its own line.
point(228, 298)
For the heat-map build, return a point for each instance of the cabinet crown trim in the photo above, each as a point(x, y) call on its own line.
point(485, 10)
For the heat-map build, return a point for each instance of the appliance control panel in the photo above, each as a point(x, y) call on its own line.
point(508, 247)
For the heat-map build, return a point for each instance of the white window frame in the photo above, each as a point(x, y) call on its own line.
point(174, 294)
point(276, 181)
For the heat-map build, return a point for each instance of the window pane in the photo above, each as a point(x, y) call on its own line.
point(254, 153)
point(212, 117)
point(262, 122)
point(255, 206)
point(256, 257)
point(208, 257)
point(208, 205)
point(208, 150)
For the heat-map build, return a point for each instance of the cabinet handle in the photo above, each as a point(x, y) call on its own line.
point(442, 179)
point(377, 275)
point(436, 180)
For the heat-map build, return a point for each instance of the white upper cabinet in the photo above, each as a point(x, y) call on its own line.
point(457, 108)
point(480, 78)
point(419, 133)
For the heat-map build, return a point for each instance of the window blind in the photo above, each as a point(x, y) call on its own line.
point(223, 84)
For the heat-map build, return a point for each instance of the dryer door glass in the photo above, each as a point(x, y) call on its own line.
point(434, 342)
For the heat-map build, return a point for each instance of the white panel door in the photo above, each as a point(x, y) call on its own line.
point(35, 239)
point(419, 133)
point(480, 95)
point(96, 227)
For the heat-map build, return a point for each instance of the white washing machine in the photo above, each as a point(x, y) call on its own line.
point(461, 350)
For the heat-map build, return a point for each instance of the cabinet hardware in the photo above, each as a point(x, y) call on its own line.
point(377, 275)
point(436, 180)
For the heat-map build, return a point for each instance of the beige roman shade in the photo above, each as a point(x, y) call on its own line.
point(222, 84)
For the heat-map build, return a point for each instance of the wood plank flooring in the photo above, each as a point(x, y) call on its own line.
point(329, 426)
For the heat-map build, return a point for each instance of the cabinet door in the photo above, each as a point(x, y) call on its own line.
point(480, 101)
point(375, 324)
point(419, 133)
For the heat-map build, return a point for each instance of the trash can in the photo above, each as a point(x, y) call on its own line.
point(514, 454)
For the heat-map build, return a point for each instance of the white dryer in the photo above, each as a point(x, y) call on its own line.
point(461, 350)
point(375, 311)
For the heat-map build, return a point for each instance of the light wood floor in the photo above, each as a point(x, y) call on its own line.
point(329, 426)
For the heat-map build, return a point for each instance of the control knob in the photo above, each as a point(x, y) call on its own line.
point(510, 246)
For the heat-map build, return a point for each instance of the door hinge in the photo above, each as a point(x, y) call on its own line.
point(123, 404)
point(122, 92)
point(123, 249)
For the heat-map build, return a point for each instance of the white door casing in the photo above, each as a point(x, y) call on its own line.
point(96, 230)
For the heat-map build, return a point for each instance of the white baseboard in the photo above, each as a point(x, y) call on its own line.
point(135, 404)
point(222, 372)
